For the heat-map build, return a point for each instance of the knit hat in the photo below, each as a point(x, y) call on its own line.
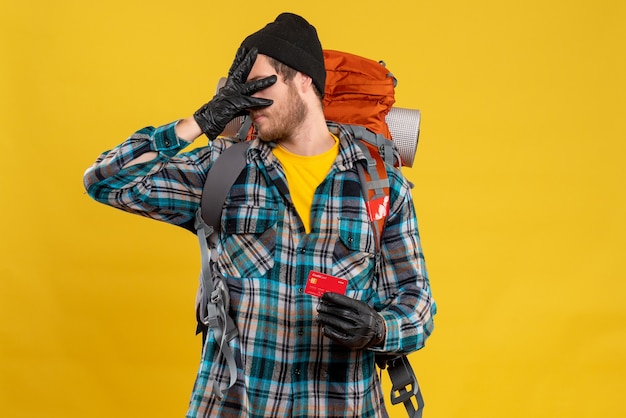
point(291, 40)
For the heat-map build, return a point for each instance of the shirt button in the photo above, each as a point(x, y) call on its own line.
point(300, 332)
point(302, 250)
point(300, 290)
point(296, 372)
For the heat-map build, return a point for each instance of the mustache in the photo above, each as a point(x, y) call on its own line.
point(255, 112)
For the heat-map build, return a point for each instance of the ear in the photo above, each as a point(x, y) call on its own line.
point(304, 82)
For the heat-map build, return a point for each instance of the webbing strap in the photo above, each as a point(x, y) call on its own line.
point(245, 130)
point(213, 299)
point(213, 310)
point(385, 146)
point(376, 172)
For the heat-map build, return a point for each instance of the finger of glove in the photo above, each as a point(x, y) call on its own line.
point(335, 334)
point(334, 310)
point(259, 103)
point(255, 86)
point(343, 300)
point(247, 102)
point(338, 322)
point(351, 341)
point(241, 71)
point(239, 56)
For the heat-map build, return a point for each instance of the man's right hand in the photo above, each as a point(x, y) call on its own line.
point(235, 98)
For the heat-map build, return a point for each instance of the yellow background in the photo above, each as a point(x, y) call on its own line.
point(519, 192)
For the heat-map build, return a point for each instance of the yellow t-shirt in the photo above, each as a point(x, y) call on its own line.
point(304, 174)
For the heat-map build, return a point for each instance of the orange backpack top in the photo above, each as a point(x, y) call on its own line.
point(358, 91)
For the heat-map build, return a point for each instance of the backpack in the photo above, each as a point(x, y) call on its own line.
point(359, 95)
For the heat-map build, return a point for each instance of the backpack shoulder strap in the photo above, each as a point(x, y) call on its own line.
point(219, 180)
point(375, 186)
point(374, 180)
point(212, 299)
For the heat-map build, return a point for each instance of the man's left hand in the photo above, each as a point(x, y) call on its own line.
point(350, 322)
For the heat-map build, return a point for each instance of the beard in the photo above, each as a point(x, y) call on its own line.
point(282, 118)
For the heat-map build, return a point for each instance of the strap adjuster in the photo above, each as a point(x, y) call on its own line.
point(405, 386)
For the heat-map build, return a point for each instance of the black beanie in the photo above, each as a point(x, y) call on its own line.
point(293, 41)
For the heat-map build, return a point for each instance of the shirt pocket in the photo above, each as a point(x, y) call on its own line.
point(354, 256)
point(248, 240)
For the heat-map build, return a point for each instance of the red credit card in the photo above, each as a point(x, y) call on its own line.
point(319, 283)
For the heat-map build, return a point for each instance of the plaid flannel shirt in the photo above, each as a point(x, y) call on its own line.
point(286, 366)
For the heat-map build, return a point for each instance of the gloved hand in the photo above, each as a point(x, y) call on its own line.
point(235, 98)
point(350, 322)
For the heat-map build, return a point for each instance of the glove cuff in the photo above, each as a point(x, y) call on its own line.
point(205, 125)
point(380, 331)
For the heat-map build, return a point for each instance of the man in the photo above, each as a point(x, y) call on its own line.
point(297, 208)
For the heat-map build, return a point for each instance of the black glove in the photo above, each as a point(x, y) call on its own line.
point(350, 322)
point(235, 98)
